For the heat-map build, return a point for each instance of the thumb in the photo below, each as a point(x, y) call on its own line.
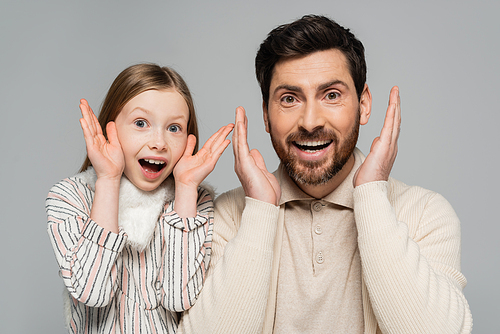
point(355, 177)
point(112, 134)
point(191, 143)
point(259, 160)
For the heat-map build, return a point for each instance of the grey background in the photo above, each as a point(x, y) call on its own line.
point(442, 54)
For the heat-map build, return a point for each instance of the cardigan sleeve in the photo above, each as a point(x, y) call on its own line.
point(410, 255)
point(234, 297)
point(86, 253)
point(186, 253)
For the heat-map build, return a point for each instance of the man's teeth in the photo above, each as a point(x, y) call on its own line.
point(313, 143)
point(312, 146)
point(156, 162)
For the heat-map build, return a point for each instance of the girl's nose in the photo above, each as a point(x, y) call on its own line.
point(158, 141)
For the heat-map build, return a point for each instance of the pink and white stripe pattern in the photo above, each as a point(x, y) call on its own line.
point(114, 288)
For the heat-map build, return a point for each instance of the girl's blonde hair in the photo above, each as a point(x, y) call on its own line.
point(135, 80)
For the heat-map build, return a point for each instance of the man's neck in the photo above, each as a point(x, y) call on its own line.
point(320, 191)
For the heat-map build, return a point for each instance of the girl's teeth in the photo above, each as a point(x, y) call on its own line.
point(157, 162)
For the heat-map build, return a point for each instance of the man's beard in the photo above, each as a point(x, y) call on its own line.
point(321, 171)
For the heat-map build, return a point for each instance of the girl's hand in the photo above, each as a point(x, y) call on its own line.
point(191, 169)
point(106, 156)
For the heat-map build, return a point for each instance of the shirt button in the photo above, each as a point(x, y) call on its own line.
point(317, 206)
point(318, 229)
point(320, 258)
point(157, 285)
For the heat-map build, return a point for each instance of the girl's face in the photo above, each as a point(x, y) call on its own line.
point(152, 129)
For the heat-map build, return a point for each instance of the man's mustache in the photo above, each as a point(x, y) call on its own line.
point(315, 135)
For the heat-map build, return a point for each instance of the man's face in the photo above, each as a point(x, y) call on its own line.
point(313, 115)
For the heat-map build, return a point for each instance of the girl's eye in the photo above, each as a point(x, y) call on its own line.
point(332, 95)
point(288, 99)
point(174, 128)
point(140, 123)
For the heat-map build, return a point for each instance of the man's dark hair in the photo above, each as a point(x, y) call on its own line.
point(304, 36)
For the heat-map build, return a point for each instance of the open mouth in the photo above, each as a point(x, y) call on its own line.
point(151, 165)
point(312, 146)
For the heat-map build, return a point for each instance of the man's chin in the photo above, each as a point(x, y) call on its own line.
point(309, 174)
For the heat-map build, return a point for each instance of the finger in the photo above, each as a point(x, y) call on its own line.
point(397, 124)
point(208, 144)
point(226, 130)
point(219, 137)
point(97, 125)
point(394, 105)
point(237, 121)
point(85, 110)
point(242, 131)
point(91, 118)
point(191, 143)
point(216, 154)
point(386, 134)
point(87, 134)
point(243, 149)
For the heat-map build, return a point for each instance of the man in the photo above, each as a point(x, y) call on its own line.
point(350, 250)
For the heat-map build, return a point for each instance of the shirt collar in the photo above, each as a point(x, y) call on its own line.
point(342, 195)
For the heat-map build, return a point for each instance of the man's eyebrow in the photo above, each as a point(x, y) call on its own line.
point(320, 87)
point(332, 83)
point(288, 87)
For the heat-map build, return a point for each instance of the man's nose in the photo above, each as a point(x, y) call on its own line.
point(312, 117)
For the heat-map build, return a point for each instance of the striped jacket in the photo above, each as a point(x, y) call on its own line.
point(133, 281)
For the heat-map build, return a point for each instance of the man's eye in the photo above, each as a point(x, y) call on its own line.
point(174, 128)
point(332, 95)
point(288, 99)
point(140, 123)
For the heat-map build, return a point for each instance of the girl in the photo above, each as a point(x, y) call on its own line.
point(129, 254)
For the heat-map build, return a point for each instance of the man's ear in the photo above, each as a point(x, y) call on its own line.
point(365, 105)
point(266, 116)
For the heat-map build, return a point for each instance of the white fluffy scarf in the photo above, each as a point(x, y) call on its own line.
point(138, 210)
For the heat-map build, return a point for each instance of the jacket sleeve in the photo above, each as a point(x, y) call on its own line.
point(234, 297)
point(411, 260)
point(186, 253)
point(86, 253)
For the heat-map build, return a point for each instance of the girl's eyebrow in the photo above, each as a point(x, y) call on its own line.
point(140, 109)
point(179, 117)
point(146, 111)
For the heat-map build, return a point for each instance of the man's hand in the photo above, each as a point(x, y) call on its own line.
point(250, 167)
point(378, 164)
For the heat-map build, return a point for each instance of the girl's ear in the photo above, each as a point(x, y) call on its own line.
point(365, 105)
point(266, 120)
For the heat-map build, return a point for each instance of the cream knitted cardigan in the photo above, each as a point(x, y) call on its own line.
point(409, 242)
